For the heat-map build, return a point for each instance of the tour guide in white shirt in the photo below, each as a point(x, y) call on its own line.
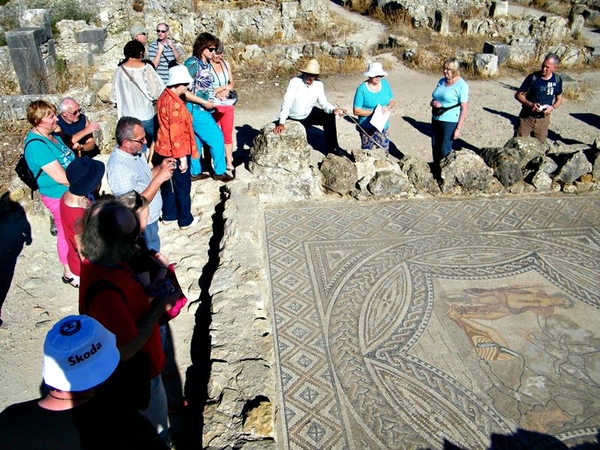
point(305, 102)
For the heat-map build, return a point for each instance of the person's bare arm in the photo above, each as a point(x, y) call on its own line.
point(146, 325)
point(557, 102)
point(160, 174)
point(56, 172)
point(461, 120)
point(193, 98)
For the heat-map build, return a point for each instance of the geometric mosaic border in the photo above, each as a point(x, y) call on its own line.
point(403, 324)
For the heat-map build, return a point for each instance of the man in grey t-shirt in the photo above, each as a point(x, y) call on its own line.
point(162, 52)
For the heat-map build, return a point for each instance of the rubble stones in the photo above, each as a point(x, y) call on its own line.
point(464, 172)
point(506, 164)
point(339, 174)
point(389, 184)
point(575, 166)
point(419, 174)
point(526, 149)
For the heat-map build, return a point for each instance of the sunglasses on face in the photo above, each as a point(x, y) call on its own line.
point(76, 112)
point(211, 49)
point(161, 31)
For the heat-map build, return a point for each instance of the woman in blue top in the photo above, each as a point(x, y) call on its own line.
point(44, 150)
point(451, 92)
point(369, 94)
point(206, 129)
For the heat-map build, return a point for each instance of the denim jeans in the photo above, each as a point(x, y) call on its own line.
point(150, 130)
point(206, 131)
point(151, 236)
point(441, 139)
point(175, 194)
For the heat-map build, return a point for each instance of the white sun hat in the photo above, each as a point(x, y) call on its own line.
point(79, 353)
point(179, 75)
point(375, 70)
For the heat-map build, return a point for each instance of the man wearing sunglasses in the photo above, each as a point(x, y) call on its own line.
point(162, 52)
point(76, 128)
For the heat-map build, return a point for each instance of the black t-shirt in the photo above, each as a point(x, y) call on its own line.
point(93, 425)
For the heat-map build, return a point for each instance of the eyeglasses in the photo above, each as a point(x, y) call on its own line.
point(76, 112)
point(211, 49)
point(161, 31)
point(139, 141)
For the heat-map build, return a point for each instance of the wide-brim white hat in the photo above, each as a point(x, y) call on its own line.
point(375, 70)
point(312, 67)
point(179, 75)
point(79, 353)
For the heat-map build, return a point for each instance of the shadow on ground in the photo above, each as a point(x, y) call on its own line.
point(589, 118)
point(525, 440)
point(15, 231)
point(187, 426)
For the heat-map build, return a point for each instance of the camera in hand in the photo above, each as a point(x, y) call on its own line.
point(161, 291)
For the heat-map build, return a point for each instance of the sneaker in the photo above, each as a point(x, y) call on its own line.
point(225, 178)
point(53, 230)
point(166, 223)
point(191, 225)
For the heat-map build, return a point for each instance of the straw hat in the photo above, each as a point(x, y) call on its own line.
point(312, 67)
point(375, 70)
point(79, 353)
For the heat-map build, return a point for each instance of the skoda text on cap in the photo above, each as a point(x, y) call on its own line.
point(79, 353)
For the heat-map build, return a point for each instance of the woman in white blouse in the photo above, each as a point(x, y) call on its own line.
point(135, 88)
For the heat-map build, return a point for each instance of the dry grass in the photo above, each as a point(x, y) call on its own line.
point(11, 146)
point(574, 92)
point(336, 30)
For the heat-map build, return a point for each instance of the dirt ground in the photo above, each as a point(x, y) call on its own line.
point(38, 298)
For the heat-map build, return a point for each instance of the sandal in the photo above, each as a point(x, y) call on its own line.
point(69, 281)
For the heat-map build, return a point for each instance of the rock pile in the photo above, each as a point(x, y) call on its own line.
point(281, 164)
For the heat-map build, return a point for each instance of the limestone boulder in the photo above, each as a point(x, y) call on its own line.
point(596, 167)
point(506, 164)
point(389, 184)
point(525, 149)
point(485, 64)
point(287, 151)
point(544, 163)
point(575, 166)
point(419, 174)
point(464, 171)
point(541, 181)
point(339, 174)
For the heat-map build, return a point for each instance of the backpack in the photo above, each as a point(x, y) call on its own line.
point(25, 173)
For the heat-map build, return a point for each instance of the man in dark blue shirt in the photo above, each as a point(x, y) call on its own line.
point(76, 128)
point(540, 94)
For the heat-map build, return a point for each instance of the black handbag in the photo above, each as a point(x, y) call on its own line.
point(439, 111)
point(24, 172)
point(233, 95)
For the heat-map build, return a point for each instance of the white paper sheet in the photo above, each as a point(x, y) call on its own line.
point(379, 119)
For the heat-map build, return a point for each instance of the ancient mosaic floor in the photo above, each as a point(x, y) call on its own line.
point(414, 323)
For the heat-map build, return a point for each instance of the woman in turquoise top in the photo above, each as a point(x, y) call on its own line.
point(46, 151)
point(451, 92)
point(374, 92)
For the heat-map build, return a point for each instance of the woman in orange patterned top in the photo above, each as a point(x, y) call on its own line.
point(176, 139)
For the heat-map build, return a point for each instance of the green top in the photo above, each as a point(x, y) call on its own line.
point(42, 151)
